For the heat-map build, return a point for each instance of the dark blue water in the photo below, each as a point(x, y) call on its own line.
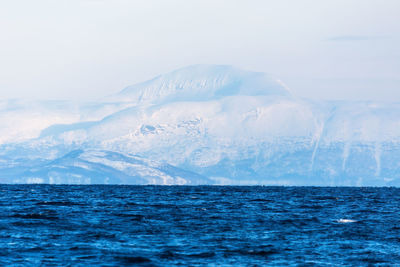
point(204, 225)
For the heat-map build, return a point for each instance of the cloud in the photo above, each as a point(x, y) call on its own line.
point(348, 38)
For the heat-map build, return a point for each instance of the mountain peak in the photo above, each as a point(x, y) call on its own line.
point(202, 82)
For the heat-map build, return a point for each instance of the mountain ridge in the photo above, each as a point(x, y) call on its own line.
point(202, 82)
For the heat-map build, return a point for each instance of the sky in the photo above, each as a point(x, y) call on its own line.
point(84, 49)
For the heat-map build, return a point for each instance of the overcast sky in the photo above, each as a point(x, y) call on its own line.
point(71, 49)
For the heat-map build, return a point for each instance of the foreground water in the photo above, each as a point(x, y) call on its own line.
point(158, 226)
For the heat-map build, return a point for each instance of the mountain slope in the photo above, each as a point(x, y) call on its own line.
point(102, 167)
point(233, 126)
point(201, 83)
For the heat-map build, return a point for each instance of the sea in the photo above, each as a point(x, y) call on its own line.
point(117, 225)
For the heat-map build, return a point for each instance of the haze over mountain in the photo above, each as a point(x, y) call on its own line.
point(205, 124)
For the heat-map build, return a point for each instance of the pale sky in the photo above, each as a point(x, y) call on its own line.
point(85, 49)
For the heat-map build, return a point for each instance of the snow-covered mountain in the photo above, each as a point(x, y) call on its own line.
point(100, 167)
point(232, 126)
point(22, 120)
point(201, 83)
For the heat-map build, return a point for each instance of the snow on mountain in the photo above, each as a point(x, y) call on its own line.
point(233, 126)
point(201, 83)
point(22, 120)
point(101, 167)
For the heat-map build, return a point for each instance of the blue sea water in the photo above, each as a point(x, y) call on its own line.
point(202, 225)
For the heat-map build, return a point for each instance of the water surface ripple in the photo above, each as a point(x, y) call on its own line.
point(204, 225)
